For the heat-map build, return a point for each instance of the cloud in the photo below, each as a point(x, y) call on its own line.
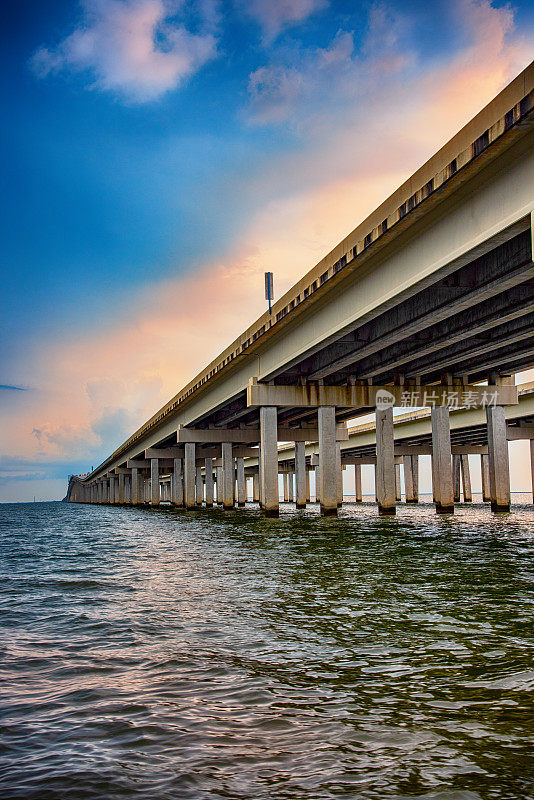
point(133, 48)
point(275, 15)
point(274, 93)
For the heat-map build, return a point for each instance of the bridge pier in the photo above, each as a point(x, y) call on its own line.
point(398, 491)
point(208, 469)
point(328, 474)
point(456, 477)
point(499, 471)
point(120, 488)
point(411, 478)
point(442, 485)
point(154, 482)
point(256, 487)
point(385, 462)
point(308, 493)
point(241, 483)
point(285, 487)
point(300, 474)
point(358, 483)
point(189, 475)
point(228, 476)
point(484, 471)
point(339, 471)
point(269, 460)
point(290, 492)
point(135, 487)
point(466, 479)
point(177, 485)
point(199, 486)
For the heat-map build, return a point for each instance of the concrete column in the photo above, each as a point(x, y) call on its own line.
point(442, 461)
point(317, 484)
point(189, 475)
point(241, 483)
point(466, 479)
point(532, 466)
point(308, 494)
point(484, 471)
point(228, 469)
point(339, 469)
point(256, 487)
point(128, 489)
point(398, 493)
point(177, 496)
point(456, 477)
point(208, 464)
point(411, 478)
point(499, 470)
point(120, 488)
point(154, 482)
point(300, 474)
point(358, 483)
point(328, 475)
point(111, 489)
point(219, 476)
point(290, 491)
point(135, 487)
point(269, 460)
point(199, 486)
point(285, 487)
point(385, 462)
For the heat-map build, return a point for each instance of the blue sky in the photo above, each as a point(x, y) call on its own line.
point(157, 151)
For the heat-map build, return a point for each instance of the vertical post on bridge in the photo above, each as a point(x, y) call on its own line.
point(398, 492)
point(358, 483)
point(290, 492)
point(385, 462)
point(177, 495)
point(256, 486)
point(499, 470)
point(199, 486)
point(442, 460)
point(339, 470)
point(269, 461)
point(135, 487)
point(328, 474)
point(208, 464)
point(300, 474)
point(484, 471)
point(121, 488)
point(308, 493)
point(466, 479)
point(228, 476)
point(241, 483)
point(456, 477)
point(189, 475)
point(411, 478)
point(154, 482)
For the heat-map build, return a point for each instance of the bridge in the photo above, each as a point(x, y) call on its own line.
point(427, 303)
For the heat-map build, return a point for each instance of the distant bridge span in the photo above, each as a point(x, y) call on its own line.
point(430, 295)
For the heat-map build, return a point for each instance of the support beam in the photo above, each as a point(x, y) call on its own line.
point(154, 482)
point(189, 475)
point(499, 470)
point(269, 460)
point(177, 497)
point(441, 461)
point(228, 470)
point(385, 461)
point(208, 468)
point(328, 478)
point(466, 479)
point(241, 483)
point(358, 483)
point(199, 486)
point(300, 474)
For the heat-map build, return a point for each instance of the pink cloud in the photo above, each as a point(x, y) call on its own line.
point(275, 15)
point(131, 47)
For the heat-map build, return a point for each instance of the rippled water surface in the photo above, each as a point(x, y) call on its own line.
point(206, 655)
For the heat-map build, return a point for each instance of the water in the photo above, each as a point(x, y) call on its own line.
point(210, 655)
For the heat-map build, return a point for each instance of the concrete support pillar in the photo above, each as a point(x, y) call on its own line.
point(285, 488)
point(358, 483)
point(308, 494)
point(112, 489)
point(120, 489)
point(228, 495)
point(154, 482)
point(411, 478)
point(385, 462)
point(300, 474)
point(339, 470)
point(499, 470)
point(189, 475)
point(290, 487)
point(269, 460)
point(484, 471)
point(219, 478)
point(135, 487)
point(466, 479)
point(199, 486)
point(442, 460)
point(128, 489)
point(328, 475)
point(532, 466)
point(177, 491)
point(398, 493)
point(317, 483)
point(456, 477)
point(208, 464)
point(256, 487)
point(241, 483)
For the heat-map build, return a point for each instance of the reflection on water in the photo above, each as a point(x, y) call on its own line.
point(164, 654)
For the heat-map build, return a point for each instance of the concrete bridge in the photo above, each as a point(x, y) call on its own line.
point(425, 301)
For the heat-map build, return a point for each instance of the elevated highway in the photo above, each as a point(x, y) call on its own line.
point(430, 295)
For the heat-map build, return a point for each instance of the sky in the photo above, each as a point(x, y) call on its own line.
point(159, 155)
